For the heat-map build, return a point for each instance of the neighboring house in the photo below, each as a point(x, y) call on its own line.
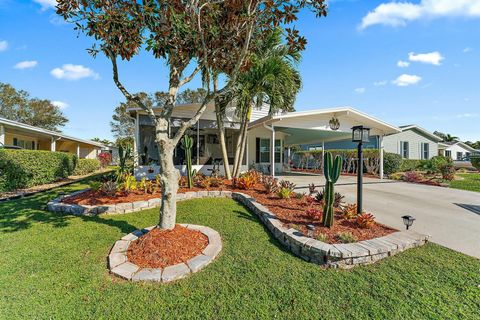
point(413, 142)
point(22, 135)
point(284, 130)
point(456, 150)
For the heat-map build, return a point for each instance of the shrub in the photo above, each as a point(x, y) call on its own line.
point(413, 176)
point(312, 188)
point(338, 200)
point(410, 165)
point(183, 182)
point(86, 166)
point(350, 211)
point(321, 237)
point(28, 168)
point(391, 163)
point(246, 182)
point(285, 193)
point(365, 220)
point(313, 214)
point(475, 160)
point(320, 196)
point(270, 184)
point(447, 170)
point(346, 237)
point(105, 159)
point(129, 183)
point(109, 188)
point(95, 185)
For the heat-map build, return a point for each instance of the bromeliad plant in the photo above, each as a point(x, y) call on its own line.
point(187, 144)
point(332, 170)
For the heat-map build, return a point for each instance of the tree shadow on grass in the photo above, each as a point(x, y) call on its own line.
point(21, 214)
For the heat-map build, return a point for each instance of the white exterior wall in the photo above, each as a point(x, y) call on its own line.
point(263, 133)
point(457, 148)
point(415, 139)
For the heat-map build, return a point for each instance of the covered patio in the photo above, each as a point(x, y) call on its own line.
point(316, 126)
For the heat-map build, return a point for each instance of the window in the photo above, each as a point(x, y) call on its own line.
point(459, 156)
point(404, 152)
point(29, 145)
point(467, 156)
point(425, 151)
point(263, 151)
point(448, 153)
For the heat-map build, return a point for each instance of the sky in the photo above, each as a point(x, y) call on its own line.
point(409, 62)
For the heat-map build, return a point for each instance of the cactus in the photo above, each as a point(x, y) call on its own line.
point(187, 144)
point(124, 154)
point(331, 170)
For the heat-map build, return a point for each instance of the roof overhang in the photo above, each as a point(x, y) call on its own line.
point(319, 120)
point(421, 130)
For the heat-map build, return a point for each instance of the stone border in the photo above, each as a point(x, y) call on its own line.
point(119, 265)
point(56, 205)
point(331, 255)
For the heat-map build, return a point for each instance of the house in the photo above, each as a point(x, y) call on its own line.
point(412, 142)
point(269, 136)
point(456, 150)
point(22, 135)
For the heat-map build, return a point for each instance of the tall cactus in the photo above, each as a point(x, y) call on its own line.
point(187, 144)
point(331, 171)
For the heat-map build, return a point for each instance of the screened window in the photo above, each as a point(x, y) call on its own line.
point(264, 149)
point(278, 151)
point(24, 144)
point(459, 156)
point(425, 151)
point(448, 153)
point(404, 149)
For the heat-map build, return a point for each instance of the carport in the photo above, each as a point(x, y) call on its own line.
point(320, 126)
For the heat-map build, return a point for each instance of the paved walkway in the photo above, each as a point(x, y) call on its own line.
point(450, 216)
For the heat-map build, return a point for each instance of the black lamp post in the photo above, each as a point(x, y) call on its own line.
point(408, 221)
point(360, 134)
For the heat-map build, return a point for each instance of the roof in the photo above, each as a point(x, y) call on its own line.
point(27, 127)
point(422, 130)
point(447, 144)
point(311, 116)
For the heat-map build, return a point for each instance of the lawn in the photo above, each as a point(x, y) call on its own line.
point(54, 266)
point(471, 181)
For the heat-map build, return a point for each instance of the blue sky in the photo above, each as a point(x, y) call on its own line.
point(410, 62)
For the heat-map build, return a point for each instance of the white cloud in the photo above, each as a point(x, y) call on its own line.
point(467, 49)
point(406, 80)
point(403, 64)
point(398, 14)
point(73, 72)
point(3, 45)
point(360, 90)
point(466, 115)
point(380, 83)
point(62, 105)
point(27, 64)
point(46, 4)
point(434, 58)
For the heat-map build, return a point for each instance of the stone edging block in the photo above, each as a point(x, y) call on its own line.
point(119, 265)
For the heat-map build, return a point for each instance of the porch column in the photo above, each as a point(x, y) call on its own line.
point(272, 156)
point(53, 144)
point(381, 149)
point(289, 157)
point(78, 150)
point(2, 135)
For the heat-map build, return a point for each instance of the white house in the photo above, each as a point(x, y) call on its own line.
point(269, 136)
point(456, 150)
point(413, 142)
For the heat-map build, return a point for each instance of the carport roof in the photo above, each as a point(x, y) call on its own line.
point(313, 126)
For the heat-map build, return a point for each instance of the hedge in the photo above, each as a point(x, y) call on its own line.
point(86, 166)
point(27, 168)
point(475, 160)
point(410, 164)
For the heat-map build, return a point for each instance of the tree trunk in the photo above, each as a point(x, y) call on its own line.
point(243, 142)
point(169, 176)
point(223, 146)
point(238, 147)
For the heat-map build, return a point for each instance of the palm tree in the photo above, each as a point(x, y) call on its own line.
point(450, 138)
point(272, 79)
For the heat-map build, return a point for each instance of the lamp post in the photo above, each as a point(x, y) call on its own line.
point(360, 134)
point(408, 221)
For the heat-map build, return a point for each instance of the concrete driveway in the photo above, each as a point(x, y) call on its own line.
point(450, 216)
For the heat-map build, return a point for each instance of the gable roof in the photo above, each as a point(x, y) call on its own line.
point(460, 143)
point(421, 130)
point(38, 130)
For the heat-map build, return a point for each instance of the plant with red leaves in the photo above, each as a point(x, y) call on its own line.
point(105, 159)
point(365, 220)
point(314, 214)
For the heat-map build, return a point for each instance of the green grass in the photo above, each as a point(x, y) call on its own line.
point(54, 266)
point(471, 182)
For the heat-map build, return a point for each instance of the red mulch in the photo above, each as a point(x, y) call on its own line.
point(162, 248)
point(292, 212)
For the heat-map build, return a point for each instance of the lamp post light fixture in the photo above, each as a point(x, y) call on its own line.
point(360, 134)
point(311, 230)
point(408, 221)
